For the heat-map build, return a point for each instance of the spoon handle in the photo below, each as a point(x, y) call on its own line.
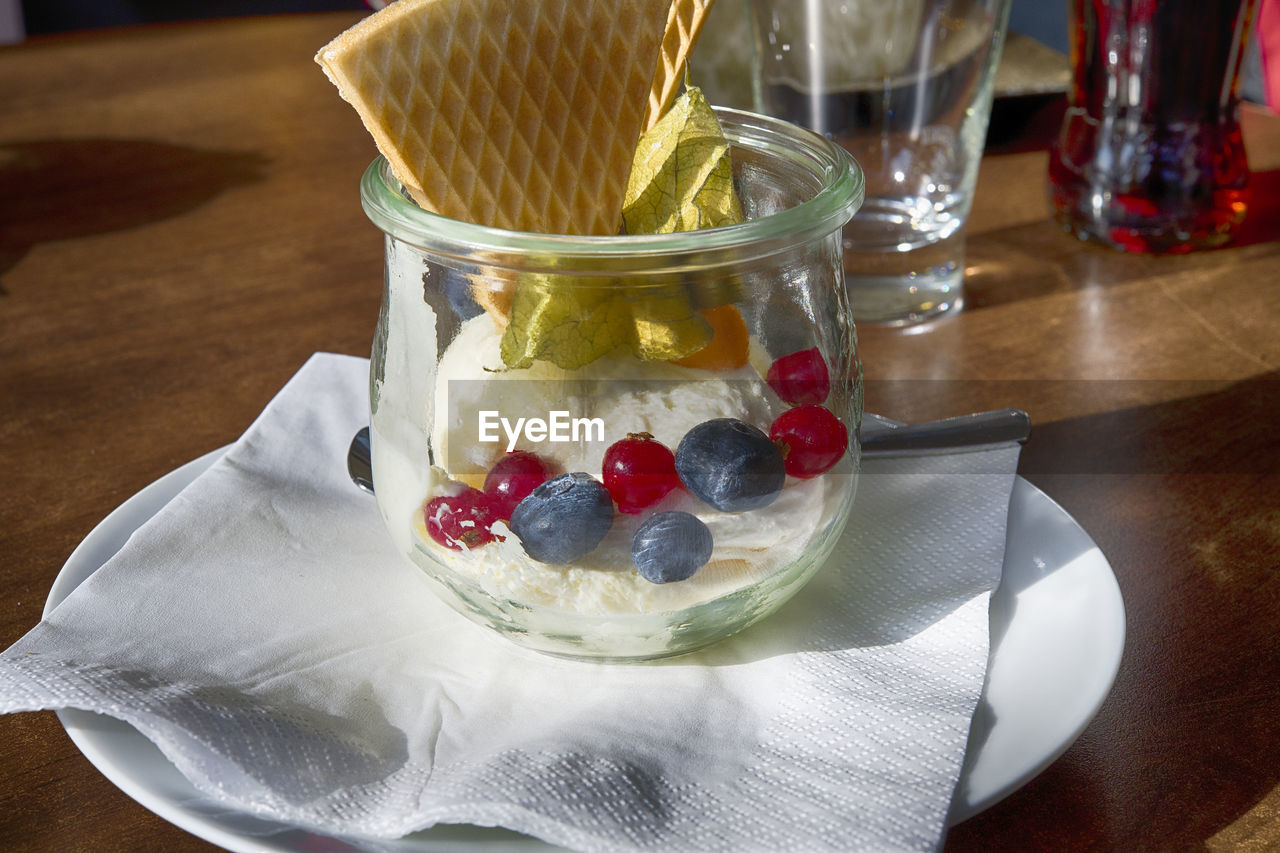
point(881, 438)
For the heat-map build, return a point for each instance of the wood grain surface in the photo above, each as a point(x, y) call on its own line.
point(180, 229)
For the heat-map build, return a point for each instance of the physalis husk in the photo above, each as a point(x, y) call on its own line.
point(681, 180)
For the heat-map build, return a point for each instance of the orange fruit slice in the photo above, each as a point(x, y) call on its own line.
point(729, 344)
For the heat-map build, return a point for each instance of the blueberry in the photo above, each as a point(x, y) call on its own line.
point(671, 546)
point(563, 519)
point(730, 464)
point(457, 287)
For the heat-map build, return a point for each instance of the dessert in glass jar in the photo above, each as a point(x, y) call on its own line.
point(622, 447)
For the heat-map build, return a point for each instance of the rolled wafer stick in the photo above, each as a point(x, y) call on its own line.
point(684, 24)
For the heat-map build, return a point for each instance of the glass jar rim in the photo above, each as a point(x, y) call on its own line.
point(840, 195)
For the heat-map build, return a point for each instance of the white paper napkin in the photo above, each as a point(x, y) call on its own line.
point(263, 633)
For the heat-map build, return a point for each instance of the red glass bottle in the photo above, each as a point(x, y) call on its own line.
point(1149, 157)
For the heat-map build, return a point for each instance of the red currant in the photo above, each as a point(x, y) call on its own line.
point(800, 377)
point(512, 478)
point(460, 520)
point(639, 471)
point(811, 439)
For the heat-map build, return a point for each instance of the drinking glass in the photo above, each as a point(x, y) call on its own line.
point(906, 87)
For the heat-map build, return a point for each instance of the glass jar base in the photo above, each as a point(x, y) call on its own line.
point(621, 637)
point(629, 638)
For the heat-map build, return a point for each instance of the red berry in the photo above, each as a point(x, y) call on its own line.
point(639, 471)
point(512, 478)
point(461, 519)
point(800, 378)
point(811, 439)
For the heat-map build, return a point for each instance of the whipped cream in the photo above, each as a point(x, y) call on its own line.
point(628, 396)
point(624, 393)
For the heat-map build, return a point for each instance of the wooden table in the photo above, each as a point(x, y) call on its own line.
point(180, 229)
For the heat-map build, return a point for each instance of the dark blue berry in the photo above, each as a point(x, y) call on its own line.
point(671, 546)
point(730, 464)
point(457, 287)
point(563, 519)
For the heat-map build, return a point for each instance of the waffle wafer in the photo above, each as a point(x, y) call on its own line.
point(684, 24)
point(512, 113)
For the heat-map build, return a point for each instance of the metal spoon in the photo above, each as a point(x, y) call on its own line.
point(883, 437)
point(879, 437)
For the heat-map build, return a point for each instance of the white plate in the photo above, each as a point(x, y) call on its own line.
point(1057, 631)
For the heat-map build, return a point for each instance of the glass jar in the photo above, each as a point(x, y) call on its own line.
point(504, 359)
